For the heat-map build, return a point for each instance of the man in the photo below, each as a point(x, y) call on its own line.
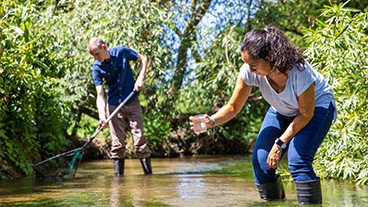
point(112, 65)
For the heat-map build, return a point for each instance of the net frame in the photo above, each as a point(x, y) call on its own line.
point(64, 164)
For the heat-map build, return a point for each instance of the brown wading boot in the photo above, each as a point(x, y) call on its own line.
point(309, 192)
point(272, 191)
point(146, 165)
point(118, 166)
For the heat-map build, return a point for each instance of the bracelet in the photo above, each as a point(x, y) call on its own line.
point(212, 120)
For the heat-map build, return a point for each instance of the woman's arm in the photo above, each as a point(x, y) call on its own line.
point(238, 98)
point(306, 111)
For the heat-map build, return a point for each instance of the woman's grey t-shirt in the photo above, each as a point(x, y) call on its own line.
point(300, 77)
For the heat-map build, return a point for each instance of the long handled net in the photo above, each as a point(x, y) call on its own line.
point(66, 164)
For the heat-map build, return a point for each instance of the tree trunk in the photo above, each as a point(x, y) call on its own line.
point(185, 44)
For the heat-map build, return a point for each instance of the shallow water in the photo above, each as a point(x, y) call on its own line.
point(197, 181)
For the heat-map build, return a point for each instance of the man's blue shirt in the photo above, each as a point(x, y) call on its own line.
point(117, 73)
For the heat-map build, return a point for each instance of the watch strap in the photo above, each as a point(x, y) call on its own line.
point(280, 143)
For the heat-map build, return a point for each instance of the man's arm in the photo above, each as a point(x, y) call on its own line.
point(139, 84)
point(101, 106)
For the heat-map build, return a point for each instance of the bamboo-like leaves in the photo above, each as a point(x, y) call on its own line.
point(339, 50)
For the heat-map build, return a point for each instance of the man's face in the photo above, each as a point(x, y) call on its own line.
point(99, 54)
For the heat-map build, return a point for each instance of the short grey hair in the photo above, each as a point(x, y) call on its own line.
point(96, 41)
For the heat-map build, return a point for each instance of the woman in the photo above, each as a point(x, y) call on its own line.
point(301, 113)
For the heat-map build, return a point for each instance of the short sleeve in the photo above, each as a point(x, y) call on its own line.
point(130, 54)
point(303, 79)
point(248, 78)
point(97, 76)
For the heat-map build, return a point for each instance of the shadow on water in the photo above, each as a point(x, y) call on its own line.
point(198, 181)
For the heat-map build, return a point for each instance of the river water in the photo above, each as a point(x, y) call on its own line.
point(194, 181)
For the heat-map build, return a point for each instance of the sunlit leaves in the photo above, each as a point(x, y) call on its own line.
point(30, 108)
point(338, 48)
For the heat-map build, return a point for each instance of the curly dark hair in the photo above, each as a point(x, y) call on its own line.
point(272, 45)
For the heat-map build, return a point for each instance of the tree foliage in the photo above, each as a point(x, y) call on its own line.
point(338, 48)
point(31, 113)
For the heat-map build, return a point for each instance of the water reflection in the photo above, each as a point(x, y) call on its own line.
point(219, 181)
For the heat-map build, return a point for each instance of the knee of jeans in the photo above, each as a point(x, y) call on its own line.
point(261, 170)
point(259, 157)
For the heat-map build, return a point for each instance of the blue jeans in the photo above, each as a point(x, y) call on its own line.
point(301, 148)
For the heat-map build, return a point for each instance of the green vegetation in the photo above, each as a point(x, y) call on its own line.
point(31, 111)
point(339, 49)
point(47, 95)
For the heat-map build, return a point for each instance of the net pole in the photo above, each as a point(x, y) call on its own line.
point(56, 156)
point(109, 118)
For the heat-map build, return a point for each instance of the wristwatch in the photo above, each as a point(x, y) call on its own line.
point(280, 143)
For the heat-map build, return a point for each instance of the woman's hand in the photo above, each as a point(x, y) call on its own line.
point(273, 160)
point(195, 123)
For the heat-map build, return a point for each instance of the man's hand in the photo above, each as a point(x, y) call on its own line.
point(103, 124)
point(139, 84)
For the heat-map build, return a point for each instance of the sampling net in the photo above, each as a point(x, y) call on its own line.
point(65, 164)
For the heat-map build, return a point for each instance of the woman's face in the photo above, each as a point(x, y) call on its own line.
point(260, 67)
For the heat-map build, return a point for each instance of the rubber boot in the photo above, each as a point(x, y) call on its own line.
point(272, 191)
point(118, 166)
point(146, 165)
point(309, 192)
